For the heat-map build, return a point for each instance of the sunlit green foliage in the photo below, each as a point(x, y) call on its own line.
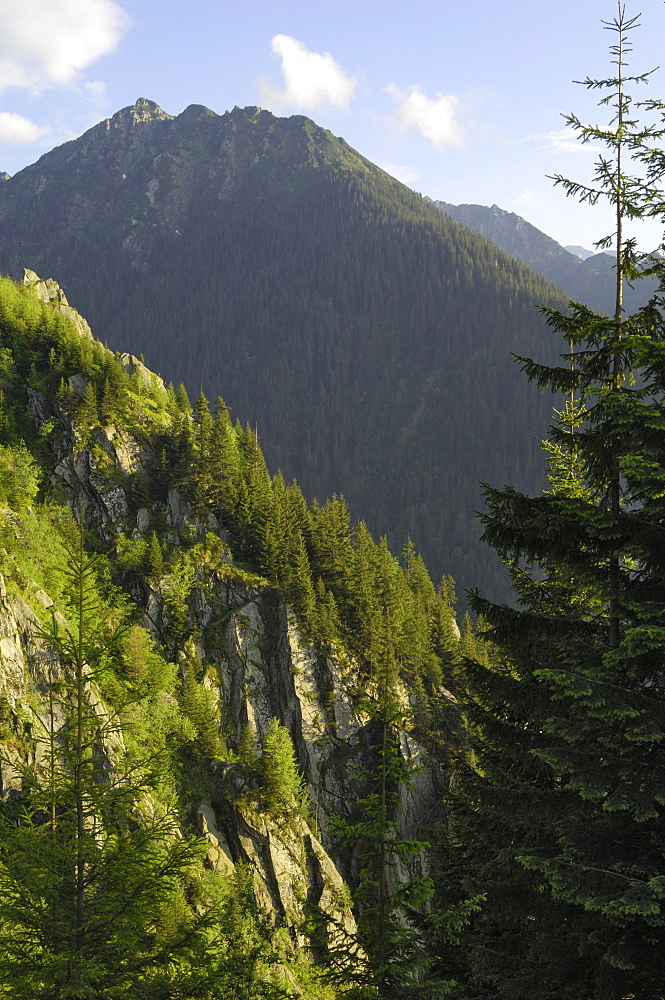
point(280, 777)
point(19, 477)
point(209, 511)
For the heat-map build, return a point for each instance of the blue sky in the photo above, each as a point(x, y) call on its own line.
point(461, 100)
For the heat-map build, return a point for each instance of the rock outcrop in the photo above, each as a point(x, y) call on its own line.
point(48, 290)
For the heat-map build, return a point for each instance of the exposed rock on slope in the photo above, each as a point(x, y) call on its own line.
point(245, 639)
point(50, 291)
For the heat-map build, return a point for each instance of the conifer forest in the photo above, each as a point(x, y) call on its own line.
point(249, 748)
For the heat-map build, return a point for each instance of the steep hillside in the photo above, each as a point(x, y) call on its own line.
point(590, 280)
point(364, 335)
point(227, 661)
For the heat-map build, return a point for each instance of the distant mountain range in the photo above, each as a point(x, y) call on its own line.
point(363, 332)
point(583, 275)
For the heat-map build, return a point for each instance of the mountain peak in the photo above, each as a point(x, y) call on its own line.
point(252, 114)
point(249, 111)
point(585, 275)
point(581, 252)
point(195, 112)
point(236, 247)
point(142, 110)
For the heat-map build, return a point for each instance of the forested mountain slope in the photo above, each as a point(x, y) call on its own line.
point(365, 335)
point(591, 280)
point(187, 647)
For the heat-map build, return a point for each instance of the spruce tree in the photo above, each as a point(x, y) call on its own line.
point(255, 522)
point(226, 463)
point(154, 556)
point(282, 783)
point(95, 878)
point(87, 415)
point(204, 474)
point(560, 802)
point(198, 704)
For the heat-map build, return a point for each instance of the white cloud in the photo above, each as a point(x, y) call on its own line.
point(563, 140)
point(96, 89)
point(310, 78)
point(407, 175)
point(434, 117)
point(15, 130)
point(46, 43)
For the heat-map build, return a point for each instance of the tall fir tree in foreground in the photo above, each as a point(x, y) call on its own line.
point(100, 895)
point(561, 799)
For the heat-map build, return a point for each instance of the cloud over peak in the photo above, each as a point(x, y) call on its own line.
point(46, 43)
point(434, 117)
point(311, 79)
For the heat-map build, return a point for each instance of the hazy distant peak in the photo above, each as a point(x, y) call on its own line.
point(585, 275)
point(510, 231)
point(474, 206)
point(4, 176)
point(581, 252)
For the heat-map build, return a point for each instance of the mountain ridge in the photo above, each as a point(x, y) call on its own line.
point(367, 336)
point(589, 278)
